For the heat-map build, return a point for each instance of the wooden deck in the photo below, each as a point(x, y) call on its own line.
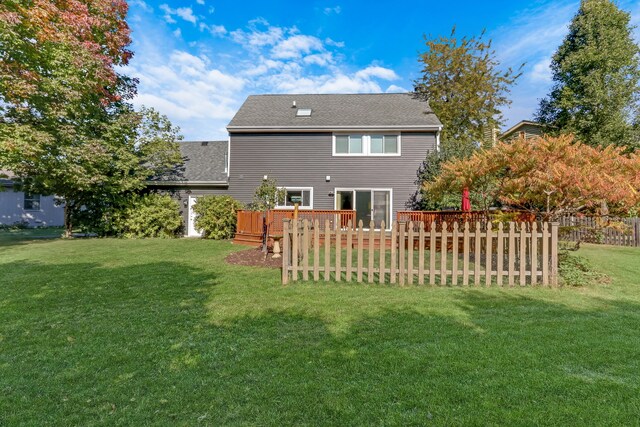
point(251, 225)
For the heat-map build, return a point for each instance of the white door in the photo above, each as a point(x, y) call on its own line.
point(191, 226)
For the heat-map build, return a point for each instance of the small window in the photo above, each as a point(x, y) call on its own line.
point(303, 112)
point(301, 196)
point(31, 202)
point(349, 144)
point(226, 163)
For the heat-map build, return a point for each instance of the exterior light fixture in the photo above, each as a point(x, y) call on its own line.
point(328, 178)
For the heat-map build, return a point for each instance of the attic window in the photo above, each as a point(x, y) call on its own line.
point(303, 112)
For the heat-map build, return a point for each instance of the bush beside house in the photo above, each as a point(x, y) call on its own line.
point(216, 216)
point(151, 215)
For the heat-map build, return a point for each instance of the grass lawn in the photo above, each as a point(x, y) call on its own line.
point(163, 332)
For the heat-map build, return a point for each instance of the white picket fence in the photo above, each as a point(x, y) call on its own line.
point(478, 254)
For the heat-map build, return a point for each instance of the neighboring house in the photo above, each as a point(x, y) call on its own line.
point(357, 152)
point(525, 128)
point(33, 210)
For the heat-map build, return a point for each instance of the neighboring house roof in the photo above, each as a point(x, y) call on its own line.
point(528, 126)
point(334, 112)
point(5, 178)
point(205, 163)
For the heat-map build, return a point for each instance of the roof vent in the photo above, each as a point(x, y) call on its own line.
point(303, 112)
point(294, 104)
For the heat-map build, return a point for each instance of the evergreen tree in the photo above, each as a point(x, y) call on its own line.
point(596, 74)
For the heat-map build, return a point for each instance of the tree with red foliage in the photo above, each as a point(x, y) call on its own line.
point(552, 176)
point(66, 124)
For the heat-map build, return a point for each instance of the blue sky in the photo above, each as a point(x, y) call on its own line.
point(198, 60)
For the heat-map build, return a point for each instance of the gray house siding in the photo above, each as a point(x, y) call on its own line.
point(305, 159)
point(12, 210)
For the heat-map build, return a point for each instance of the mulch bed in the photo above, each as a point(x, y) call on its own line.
point(254, 258)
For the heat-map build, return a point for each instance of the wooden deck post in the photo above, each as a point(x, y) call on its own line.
point(286, 252)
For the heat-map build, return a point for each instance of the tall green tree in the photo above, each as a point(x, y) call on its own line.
point(66, 124)
point(596, 74)
point(465, 86)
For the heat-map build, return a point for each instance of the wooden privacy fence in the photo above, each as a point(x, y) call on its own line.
point(608, 231)
point(438, 217)
point(522, 253)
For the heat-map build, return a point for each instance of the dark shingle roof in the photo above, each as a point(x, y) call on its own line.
point(6, 177)
point(395, 110)
point(204, 161)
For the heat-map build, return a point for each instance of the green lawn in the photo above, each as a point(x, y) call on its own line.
point(163, 332)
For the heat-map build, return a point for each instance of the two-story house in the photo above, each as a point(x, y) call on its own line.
point(357, 152)
point(334, 151)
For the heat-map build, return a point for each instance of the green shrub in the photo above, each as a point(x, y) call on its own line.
point(152, 215)
point(216, 216)
point(577, 271)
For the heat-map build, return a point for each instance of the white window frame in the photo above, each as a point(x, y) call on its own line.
point(32, 198)
point(291, 188)
point(366, 144)
point(353, 190)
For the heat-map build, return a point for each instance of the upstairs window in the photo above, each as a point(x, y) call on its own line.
point(31, 202)
point(366, 145)
point(384, 144)
point(349, 144)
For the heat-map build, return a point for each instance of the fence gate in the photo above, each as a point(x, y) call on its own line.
point(448, 254)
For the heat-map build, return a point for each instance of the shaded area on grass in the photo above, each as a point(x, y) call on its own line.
point(178, 337)
point(27, 235)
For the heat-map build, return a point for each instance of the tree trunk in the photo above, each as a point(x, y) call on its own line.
point(68, 225)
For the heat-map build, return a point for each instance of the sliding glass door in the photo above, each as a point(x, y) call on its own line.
point(369, 204)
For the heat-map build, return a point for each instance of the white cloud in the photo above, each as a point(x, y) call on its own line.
point(376, 71)
point(141, 4)
point(330, 42)
point(200, 1)
point(177, 32)
point(200, 88)
point(296, 46)
point(396, 89)
point(541, 71)
point(216, 30)
point(211, 10)
point(330, 10)
point(186, 13)
point(257, 37)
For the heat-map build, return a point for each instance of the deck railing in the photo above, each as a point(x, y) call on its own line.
point(438, 217)
point(254, 222)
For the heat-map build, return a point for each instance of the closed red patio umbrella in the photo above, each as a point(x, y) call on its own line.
point(466, 202)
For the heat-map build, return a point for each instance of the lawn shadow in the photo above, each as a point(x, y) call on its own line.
point(136, 344)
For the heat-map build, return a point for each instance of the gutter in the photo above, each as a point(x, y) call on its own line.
point(188, 183)
point(330, 128)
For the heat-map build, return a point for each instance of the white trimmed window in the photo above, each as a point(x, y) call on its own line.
point(366, 145)
point(303, 196)
point(31, 202)
point(349, 145)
